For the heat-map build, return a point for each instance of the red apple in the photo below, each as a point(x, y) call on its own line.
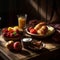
point(9, 45)
point(33, 31)
point(17, 46)
point(30, 28)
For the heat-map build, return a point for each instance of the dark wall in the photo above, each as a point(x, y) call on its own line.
point(4, 5)
point(18, 7)
point(9, 9)
point(52, 9)
point(3, 13)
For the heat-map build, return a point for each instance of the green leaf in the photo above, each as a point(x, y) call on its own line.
point(14, 33)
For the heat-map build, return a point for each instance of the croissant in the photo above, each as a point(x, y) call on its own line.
point(38, 26)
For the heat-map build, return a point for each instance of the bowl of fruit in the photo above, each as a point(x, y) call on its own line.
point(12, 33)
point(40, 30)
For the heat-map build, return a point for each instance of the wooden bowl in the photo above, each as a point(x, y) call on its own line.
point(13, 39)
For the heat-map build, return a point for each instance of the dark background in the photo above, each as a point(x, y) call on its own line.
point(9, 9)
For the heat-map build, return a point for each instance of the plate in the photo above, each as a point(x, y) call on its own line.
point(34, 48)
point(51, 30)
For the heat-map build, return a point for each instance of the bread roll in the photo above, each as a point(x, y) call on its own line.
point(38, 26)
point(43, 30)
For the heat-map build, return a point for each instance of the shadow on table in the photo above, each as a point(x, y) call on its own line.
point(22, 52)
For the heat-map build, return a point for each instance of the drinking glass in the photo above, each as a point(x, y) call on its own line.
point(22, 21)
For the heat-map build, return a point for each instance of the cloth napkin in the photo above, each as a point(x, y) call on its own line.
point(56, 36)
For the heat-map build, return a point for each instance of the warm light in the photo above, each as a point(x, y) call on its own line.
point(41, 11)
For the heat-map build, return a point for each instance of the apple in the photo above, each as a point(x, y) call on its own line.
point(30, 28)
point(9, 45)
point(33, 31)
point(17, 46)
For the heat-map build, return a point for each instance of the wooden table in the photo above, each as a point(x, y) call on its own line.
point(25, 53)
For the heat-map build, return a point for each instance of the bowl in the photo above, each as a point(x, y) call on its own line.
point(50, 31)
point(13, 39)
point(12, 33)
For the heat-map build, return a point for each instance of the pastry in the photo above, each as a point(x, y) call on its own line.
point(38, 26)
point(42, 31)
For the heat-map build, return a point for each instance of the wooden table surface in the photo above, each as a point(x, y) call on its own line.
point(25, 53)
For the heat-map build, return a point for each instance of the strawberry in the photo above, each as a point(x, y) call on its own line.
point(33, 31)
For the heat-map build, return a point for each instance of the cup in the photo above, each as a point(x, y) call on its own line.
point(22, 21)
point(26, 42)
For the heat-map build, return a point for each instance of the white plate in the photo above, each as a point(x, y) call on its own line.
point(51, 30)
